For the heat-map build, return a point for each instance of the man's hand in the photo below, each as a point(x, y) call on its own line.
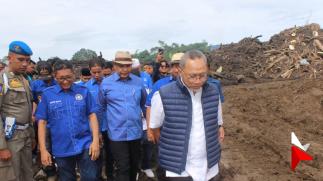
point(5, 155)
point(46, 158)
point(156, 133)
point(94, 150)
point(150, 136)
point(221, 134)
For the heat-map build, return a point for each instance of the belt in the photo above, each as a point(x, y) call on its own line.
point(20, 126)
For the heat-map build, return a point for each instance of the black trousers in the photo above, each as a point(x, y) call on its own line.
point(185, 179)
point(161, 174)
point(178, 179)
point(126, 155)
point(109, 161)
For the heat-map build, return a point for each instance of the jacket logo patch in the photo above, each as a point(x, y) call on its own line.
point(78, 97)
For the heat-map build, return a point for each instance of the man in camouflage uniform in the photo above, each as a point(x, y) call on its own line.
point(15, 104)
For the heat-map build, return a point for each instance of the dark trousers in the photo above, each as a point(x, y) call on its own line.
point(126, 155)
point(109, 161)
point(162, 176)
point(49, 170)
point(89, 169)
point(147, 152)
point(179, 179)
point(183, 179)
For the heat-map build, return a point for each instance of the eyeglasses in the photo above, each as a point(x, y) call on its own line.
point(193, 77)
point(62, 79)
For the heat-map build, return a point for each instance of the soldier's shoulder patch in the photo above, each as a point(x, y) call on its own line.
point(15, 83)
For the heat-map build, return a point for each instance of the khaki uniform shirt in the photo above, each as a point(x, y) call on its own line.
point(16, 102)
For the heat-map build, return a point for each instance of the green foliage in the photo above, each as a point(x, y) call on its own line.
point(84, 55)
point(169, 50)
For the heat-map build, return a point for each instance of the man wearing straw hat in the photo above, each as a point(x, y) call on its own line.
point(123, 96)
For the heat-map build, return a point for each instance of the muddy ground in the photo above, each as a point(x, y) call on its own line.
point(259, 119)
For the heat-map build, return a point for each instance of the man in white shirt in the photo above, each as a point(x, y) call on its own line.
point(189, 113)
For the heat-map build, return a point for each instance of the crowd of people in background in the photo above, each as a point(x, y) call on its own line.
point(162, 119)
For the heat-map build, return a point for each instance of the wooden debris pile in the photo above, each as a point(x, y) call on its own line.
point(293, 53)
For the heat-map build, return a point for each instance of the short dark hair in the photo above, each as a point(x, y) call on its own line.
point(85, 72)
point(43, 65)
point(160, 51)
point(62, 64)
point(108, 65)
point(150, 63)
point(53, 60)
point(96, 62)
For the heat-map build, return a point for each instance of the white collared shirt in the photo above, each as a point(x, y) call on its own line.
point(196, 163)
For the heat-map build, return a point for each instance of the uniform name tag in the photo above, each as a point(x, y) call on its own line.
point(10, 126)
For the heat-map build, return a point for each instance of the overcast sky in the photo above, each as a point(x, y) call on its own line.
point(61, 27)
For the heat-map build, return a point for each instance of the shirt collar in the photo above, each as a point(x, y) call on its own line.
point(52, 82)
point(116, 76)
point(59, 89)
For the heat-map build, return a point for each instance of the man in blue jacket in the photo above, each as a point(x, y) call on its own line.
point(69, 111)
point(123, 96)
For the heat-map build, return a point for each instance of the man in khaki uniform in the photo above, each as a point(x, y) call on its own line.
point(15, 104)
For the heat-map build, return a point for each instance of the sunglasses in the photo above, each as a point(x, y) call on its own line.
point(164, 66)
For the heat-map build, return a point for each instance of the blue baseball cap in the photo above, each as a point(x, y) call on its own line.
point(20, 47)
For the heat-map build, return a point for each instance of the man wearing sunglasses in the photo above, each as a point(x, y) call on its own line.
point(163, 70)
point(16, 130)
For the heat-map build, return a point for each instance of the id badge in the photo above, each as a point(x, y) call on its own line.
point(10, 125)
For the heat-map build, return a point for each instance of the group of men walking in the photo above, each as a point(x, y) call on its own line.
point(115, 118)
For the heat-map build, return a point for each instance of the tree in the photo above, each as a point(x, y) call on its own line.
point(84, 55)
point(169, 50)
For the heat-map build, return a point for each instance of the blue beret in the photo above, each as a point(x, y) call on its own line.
point(20, 48)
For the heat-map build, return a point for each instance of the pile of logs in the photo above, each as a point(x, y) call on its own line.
point(293, 53)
